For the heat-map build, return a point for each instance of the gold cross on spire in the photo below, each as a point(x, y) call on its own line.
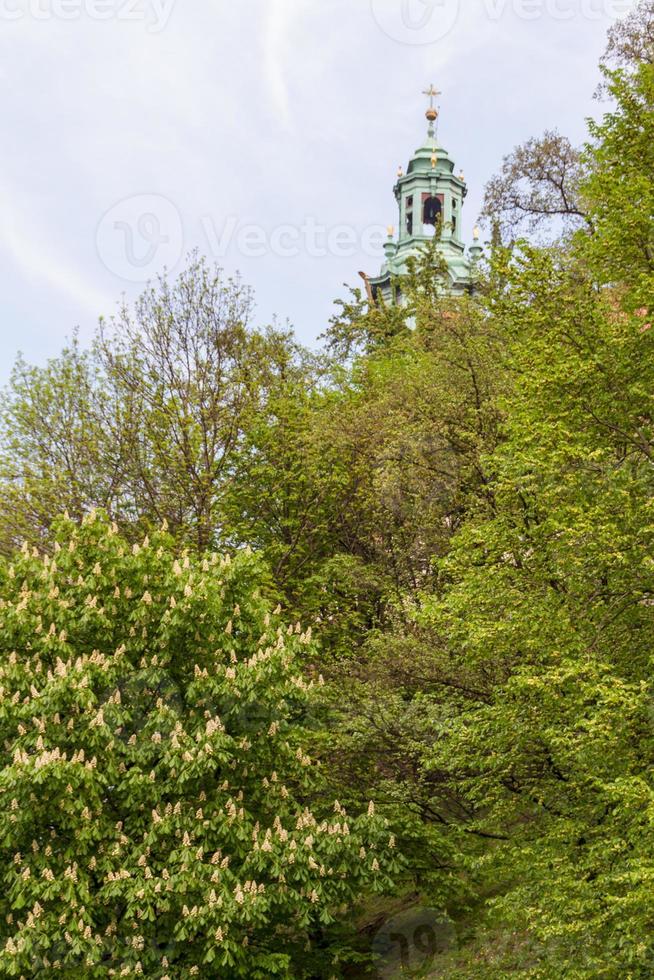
point(432, 93)
point(432, 111)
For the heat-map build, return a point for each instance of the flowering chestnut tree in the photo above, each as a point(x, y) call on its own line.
point(156, 790)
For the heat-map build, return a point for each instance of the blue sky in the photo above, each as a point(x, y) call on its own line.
point(265, 132)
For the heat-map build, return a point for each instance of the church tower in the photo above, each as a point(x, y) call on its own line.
point(430, 199)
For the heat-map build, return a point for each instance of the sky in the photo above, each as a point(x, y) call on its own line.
point(265, 133)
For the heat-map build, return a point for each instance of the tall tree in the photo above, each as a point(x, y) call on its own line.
point(547, 604)
point(350, 488)
point(65, 442)
point(537, 191)
point(196, 373)
point(148, 423)
point(631, 39)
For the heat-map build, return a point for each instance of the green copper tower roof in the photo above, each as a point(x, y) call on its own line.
point(430, 197)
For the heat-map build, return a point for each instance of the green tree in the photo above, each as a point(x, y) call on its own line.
point(545, 601)
point(148, 423)
point(351, 487)
point(621, 188)
point(537, 190)
point(631, 39)
point(197, 374)
point(158, 811)
point(65, 441)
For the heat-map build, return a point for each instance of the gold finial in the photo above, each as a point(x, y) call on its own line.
point(432, 111)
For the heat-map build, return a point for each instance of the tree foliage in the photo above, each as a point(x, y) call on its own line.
point(631, 39)
point(146, 424)
point(547, 594)
point(537, 189)
point(155, 779)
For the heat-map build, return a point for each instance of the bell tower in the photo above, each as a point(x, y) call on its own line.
point(430, 199)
